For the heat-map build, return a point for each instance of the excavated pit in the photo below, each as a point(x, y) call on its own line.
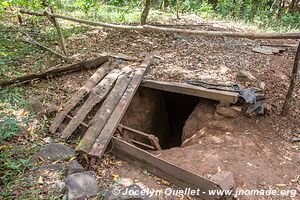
point(160, 113)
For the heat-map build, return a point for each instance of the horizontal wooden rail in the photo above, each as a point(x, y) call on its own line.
point(198, 91)
point(295, 35)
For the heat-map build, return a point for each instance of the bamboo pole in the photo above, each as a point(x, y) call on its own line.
point(294, 35)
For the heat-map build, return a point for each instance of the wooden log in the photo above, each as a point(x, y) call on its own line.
point(84, 90)
point(183, 88)
point(295, 35)
point(105, 111)
point(102, 24)
point(87, 64)
point(98, 93)
point(115, 118)
point(289, 94)
point(164, 169)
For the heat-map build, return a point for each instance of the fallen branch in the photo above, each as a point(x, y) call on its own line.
point(289, 94)
point(30, 40)
point(87, 64)
point(295, 35)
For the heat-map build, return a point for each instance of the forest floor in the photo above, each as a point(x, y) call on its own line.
point(257, 151)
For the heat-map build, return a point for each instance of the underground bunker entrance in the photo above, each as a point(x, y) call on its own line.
point(160, 113)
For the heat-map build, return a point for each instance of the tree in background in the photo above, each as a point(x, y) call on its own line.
point(145, 12)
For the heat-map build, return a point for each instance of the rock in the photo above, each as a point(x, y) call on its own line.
point(225, 179)
point(74, 167)
point(231, 112)
point(82, 185)
point(202, 113)
point(117, 194)
point(52, 110)
point(53, 152)
point(35, 105)
point(245, 76)
point(59, 186)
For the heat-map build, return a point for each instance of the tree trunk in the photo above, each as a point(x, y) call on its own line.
point(289, 94)
point(177, 9)
point(145, 12)
point(165, 4)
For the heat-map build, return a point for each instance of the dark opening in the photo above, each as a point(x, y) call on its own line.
point(160, 113)
point(179, 108)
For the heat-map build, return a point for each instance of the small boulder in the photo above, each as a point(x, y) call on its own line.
point(225, 179)
point(52, 110)
point(82, 185)
point(230, 112)
point(35, 105)
point(74, 167)
point(53, 152)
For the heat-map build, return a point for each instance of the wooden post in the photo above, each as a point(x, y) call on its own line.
point(177, 9)
point(289, 94)
point(54, 21)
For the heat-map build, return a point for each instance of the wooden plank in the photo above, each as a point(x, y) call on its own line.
point(98, 93)
point(152, 138)
point(184, 88)
point(83, 91)
point(159, 167)
point(105, 111)
point(115, 118)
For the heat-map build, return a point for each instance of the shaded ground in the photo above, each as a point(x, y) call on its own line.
point(256, 151)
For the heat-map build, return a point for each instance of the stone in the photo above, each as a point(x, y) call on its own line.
point(52, 110)
point(225, 179)
point(117, 194)
point(202, 113)
point(231, 111)
point(74, 167)
point(82, 185)
point(245, 76)
point(53, 152)
point(35, 105)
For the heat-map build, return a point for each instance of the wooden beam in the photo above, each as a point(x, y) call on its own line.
point(87, 64)
point(97, 94)
point(295, 35)
point(118, 113)
point(82, 92)
point(159, 167)
point(105, 111)
point(184, 88)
